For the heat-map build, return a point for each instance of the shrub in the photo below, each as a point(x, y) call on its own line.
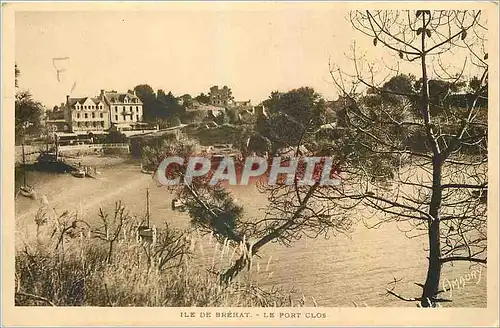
point(70, 263)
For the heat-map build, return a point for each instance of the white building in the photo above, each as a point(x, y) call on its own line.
point(125, 109)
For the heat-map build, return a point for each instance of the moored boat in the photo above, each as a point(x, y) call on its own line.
point(27, 191)
point(78, 173)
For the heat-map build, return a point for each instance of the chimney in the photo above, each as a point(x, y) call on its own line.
point(67, 98)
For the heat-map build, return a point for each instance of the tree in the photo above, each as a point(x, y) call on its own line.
point(438, 190)
point(147, 95)
point(187, 100)
point(259, 144)
point(28, 114)
point(291, 112)
point(232, 115)
point(202, 98)
point(116, 137)
point(168, 105)
point(144, 92)
point(176, 121)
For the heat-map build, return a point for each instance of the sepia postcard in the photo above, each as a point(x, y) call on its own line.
point(250, 163)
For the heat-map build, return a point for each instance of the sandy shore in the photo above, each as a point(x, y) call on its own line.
point(99, 160)
point(62, 192)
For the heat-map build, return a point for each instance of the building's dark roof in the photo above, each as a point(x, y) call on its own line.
point(116, 97)
point(73, 101)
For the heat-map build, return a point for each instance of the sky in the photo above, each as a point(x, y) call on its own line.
point(186, 48)
point(252, 52)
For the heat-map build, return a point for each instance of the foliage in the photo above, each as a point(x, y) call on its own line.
point(160, 105)
point(116, 137)
point(259, 144)
point(148, 97)
point(232, 115)
point(175, 121)
point(168, 106)
point(202, 99)
point(28, 114)
point(291, 116)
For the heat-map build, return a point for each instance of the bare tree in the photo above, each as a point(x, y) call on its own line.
point(416, 152)
point(112, 227)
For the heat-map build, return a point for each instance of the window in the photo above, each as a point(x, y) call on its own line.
point(100, 107)
point(102, 124)
point(93, 115)
point(137, 117)
point(116, 109)
point(102, 115)
point(77, 115)
point(137, 109)
point(116, 117)
point(86, 115)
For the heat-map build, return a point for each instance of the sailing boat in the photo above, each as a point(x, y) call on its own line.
point(25, 189)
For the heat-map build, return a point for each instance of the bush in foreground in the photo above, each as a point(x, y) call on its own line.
point(70, 263)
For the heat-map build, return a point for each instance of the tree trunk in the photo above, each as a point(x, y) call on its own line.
point(431, 285)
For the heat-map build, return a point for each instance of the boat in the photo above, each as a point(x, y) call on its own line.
point(79, 173)
point(25, 189)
